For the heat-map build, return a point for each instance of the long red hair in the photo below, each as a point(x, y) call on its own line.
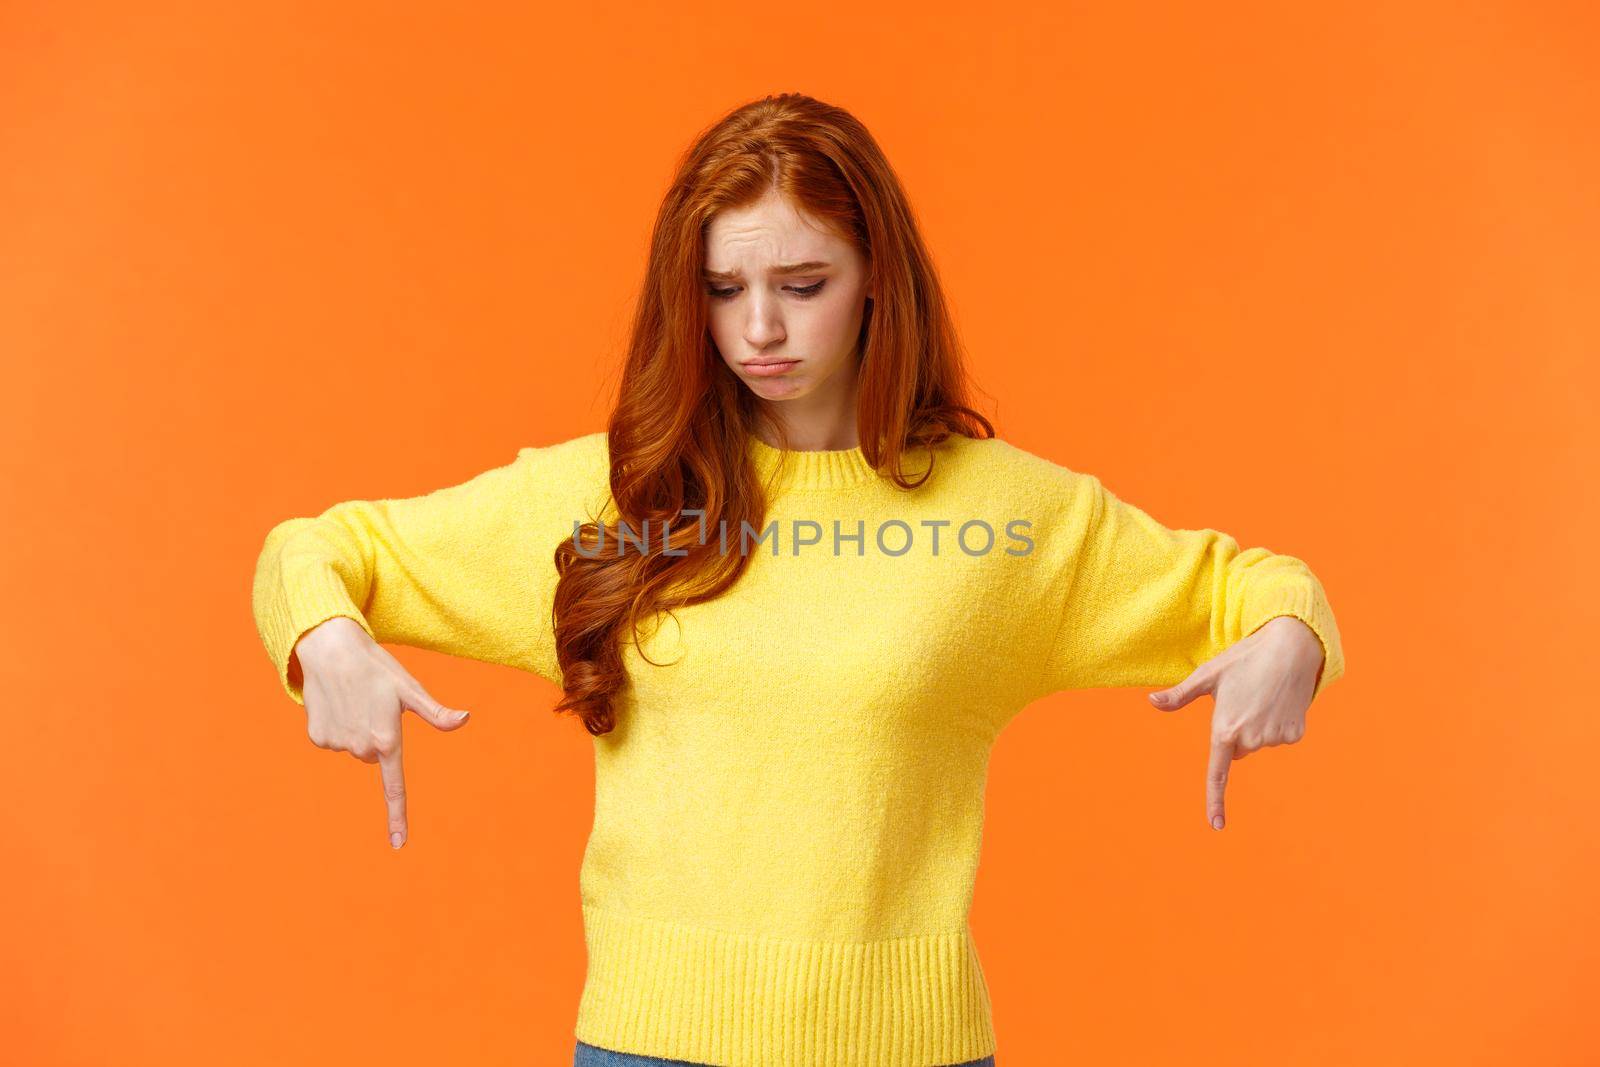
point(678, 433)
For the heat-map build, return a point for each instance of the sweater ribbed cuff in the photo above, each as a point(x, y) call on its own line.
point(301, 602)
point(1306, 602)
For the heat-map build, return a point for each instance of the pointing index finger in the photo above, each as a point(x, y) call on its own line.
point(1217, 781)
point(394, 794)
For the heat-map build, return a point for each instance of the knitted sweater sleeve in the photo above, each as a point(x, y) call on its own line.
point(466, 570)
point(1143, 605)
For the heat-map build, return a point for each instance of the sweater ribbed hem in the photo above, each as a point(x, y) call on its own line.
point(658, 988)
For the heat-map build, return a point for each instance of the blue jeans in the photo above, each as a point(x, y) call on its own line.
point(586, 1055)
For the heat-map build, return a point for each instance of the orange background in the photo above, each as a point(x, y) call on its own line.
point(1323, 279)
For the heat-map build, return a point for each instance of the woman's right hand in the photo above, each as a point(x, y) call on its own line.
point(355, 693)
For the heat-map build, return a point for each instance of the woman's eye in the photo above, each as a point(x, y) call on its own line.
point(803, 292)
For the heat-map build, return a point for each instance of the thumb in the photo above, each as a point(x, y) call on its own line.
point(1175, 697)
point(434, 712)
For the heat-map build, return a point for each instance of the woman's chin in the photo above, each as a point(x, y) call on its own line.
point(786, 388)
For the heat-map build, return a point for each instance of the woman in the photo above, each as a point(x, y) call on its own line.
point(794, 590)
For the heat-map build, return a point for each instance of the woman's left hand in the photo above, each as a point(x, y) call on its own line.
point(1261, 686)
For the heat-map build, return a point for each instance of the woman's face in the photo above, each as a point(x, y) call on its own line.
point(783, 291)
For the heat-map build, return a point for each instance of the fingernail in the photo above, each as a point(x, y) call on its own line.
point(1216, 822)
point(394, 839)
point(459, 716)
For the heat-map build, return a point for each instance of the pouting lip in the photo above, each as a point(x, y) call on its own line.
point(765, 362)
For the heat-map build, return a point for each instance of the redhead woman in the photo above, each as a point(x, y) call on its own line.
point(794, 590)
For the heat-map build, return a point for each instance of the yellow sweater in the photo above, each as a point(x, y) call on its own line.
point(788, 815)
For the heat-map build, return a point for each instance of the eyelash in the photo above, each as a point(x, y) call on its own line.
point(804, 293)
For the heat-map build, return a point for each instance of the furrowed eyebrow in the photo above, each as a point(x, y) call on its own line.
point(810, 266)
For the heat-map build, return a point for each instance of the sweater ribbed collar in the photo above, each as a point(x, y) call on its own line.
point(825, 468)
